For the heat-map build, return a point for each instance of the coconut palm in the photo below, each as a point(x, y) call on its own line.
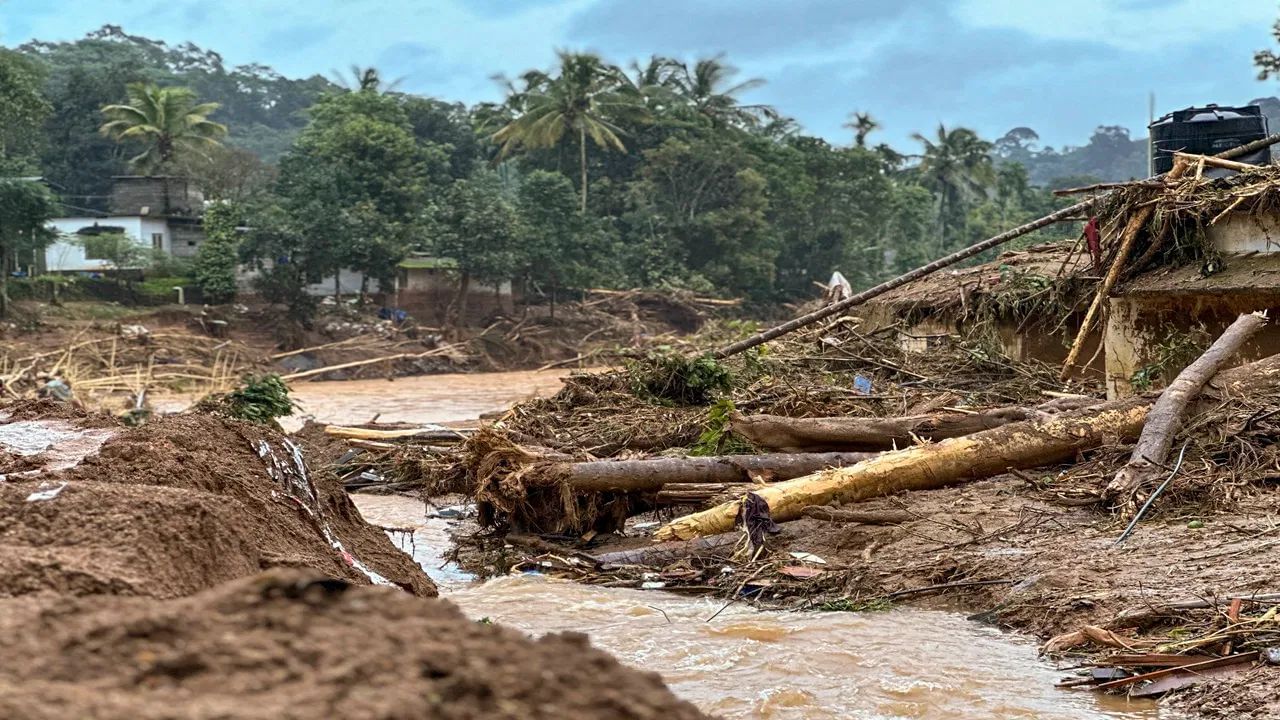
point(956, 166)
point(166, 121)
point(365, 80)
point(587, 100)
point(862, 125)
point(710, 91)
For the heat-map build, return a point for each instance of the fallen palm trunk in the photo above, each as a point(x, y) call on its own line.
point(655, 473)
point(786, 434)
point(1016, 446)
point(1165, 419)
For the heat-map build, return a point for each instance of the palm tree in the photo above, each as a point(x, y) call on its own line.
point(586, 100)
point(704, 88)
point(956, 166)
point(365, 80)
point(862, 125)
point(167, 121)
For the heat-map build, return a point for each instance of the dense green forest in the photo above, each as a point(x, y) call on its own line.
point(651, 174)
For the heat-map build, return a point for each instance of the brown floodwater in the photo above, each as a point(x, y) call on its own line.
point(418, 399)
point(745, 663)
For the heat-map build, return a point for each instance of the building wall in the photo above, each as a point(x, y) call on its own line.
point(66, 256)
point(155, 196)
point(185, 238)
point(1241, 233)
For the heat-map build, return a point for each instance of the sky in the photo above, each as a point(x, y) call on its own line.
point(1061, 67)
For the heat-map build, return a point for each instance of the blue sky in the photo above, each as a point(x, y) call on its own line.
point(1060, 67)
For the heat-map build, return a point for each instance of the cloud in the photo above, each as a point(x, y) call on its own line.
point(740, 27)
point(294, 38)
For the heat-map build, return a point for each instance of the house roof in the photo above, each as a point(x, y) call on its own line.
point(1236, 274)
point(429, 263)
point(1012, 274)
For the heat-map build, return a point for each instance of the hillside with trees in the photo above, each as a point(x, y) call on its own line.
point(588, 173)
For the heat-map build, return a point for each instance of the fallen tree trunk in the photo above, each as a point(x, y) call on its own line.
point(1165, 418)
point(655, 473)
point(786, 434)
point(1021, 445)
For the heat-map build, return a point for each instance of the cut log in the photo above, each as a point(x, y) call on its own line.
point(1165, 419)
point(1021, 445)
point(654, 473)
point(822, 434)
point(697, 493)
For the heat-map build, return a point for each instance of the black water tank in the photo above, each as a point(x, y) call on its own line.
point(1208, 131)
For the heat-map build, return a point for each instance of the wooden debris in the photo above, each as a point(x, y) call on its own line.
point(1165, 418)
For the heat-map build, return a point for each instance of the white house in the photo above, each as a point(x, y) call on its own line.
point(71, 253)
point(158, 212)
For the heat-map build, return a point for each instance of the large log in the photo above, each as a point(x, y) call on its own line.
point(1165, 418)
point(653, 473)
point(823, 434)
point(1021, 445)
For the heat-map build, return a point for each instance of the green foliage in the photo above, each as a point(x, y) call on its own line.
point(670, 376)
point(1177, 350)
point(25, 208)
point(477, 225)
point(120, 251)
point(22, 110)
point(690, 187)
point(354, 183)
point(219, 255)
point(259, 399)
point(716, 438)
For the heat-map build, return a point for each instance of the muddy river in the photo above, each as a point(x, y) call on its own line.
point(905, 663)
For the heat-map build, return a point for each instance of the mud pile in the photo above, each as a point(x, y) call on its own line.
point(288, 644)
point(177, 506)
point(132, 584)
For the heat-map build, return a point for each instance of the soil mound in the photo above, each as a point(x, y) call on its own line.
point(181, 504)
point(289, 644)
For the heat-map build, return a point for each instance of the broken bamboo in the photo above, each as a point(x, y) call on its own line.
point(1165, 418)
point(947, 261)
point(1020, 445)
